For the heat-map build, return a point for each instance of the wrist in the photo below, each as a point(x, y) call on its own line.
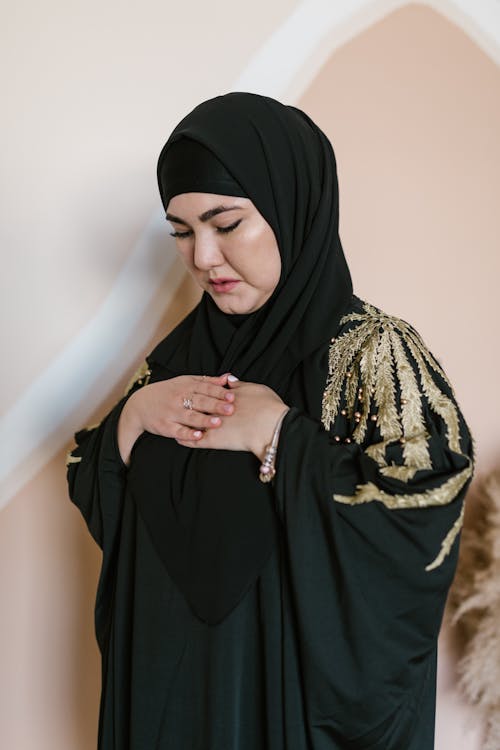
point(267, 470)
point(128, 430)
point(131, 415)
point(263, 438)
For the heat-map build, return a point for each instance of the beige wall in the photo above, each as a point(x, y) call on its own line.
point(91, 91)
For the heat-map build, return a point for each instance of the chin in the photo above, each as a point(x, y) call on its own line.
point(234, 309)
point(232, 305)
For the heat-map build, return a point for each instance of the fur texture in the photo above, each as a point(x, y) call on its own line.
point(474, 604)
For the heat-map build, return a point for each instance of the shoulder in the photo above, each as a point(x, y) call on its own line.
point(372, 335)
point(387, 392)
point(381, 370)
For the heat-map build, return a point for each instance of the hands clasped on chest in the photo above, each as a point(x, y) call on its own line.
point(202, 411)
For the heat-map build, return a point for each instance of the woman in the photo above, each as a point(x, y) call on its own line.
point(300, 613)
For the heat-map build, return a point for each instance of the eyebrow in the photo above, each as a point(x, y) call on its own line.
point(205, 216)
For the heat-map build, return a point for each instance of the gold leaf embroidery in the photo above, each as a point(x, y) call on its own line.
point(447, 542)
point(70, 459)
point(441, 495)
point(367, 380)
point(385, 391)
point(141, 376)
point(415, 448)
point(352, 387)
point(403, 473)
point(439, 402)
point(378, 349)
point(413, 336)
point(341, 355)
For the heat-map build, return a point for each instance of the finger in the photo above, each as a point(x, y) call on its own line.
point(210, 405)
point(198, 421)
point(211, 378)
point(184, 432)
point(203, 442)
point(216, 391)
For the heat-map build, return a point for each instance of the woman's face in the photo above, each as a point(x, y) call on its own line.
point(232, 254)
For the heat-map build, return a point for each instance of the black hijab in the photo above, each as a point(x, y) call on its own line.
point(210, 518)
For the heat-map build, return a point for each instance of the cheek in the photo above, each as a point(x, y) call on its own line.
point(269, 261)
point(275, 262)
point(261, 261)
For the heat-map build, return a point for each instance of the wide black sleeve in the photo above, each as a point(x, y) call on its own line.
point(370, 500)
point(95, 471)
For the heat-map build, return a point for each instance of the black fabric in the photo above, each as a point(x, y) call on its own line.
point(188, 166)
point(210, 518)
point(334, 646)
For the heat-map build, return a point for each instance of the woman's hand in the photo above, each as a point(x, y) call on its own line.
point(257, 410)
point(158, 408)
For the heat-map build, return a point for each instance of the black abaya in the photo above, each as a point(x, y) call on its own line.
point(334, 645)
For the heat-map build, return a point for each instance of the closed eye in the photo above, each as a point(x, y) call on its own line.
point(221, 230)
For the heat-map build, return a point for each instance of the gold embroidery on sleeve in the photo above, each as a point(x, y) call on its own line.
point(441, 495)
point(70, 459)
point(415, 450)
point(341, 355)
point(365, 362)
point(385, 393)
point(366, 386)
point(141, 376)
point(439, 402)
point(447, 542)
point(419, 344)
point(403, 473)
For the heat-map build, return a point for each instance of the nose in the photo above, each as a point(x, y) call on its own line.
point(206, 253)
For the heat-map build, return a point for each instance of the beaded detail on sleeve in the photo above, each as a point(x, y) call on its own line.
point(380, 376)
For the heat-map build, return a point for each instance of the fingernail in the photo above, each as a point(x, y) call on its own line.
point(232, 378)
point(229, 396)
point(228, 408)
point(197, 433)
point(214, 420)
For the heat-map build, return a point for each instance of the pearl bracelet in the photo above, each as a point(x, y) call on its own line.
point(267, 469)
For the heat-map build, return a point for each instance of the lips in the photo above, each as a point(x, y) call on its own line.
point(223, 284)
